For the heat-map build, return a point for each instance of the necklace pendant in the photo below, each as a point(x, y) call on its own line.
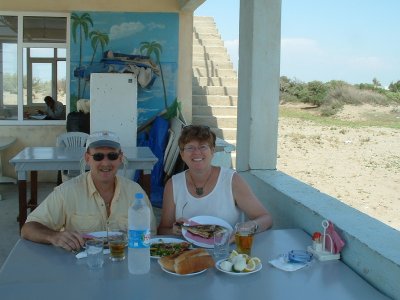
point(199, 191)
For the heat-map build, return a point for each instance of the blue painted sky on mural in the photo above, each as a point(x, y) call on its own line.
point(126, 32)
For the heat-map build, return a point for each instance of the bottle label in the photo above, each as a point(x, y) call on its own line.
point(139, 238)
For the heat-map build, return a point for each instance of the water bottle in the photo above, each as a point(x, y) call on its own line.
point(139, 236)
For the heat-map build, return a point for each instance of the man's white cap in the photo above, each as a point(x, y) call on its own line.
point(103, 139)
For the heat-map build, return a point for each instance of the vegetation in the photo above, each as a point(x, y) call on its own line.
point(330, 97)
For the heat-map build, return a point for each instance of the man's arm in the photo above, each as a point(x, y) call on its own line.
point(37, 232)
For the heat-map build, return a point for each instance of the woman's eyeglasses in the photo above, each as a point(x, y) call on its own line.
point(101, 156)
point(202, 148)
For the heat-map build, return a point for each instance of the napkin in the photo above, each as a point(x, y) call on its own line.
point(84, 254)
point(283, 264)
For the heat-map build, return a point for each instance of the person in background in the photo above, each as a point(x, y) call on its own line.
point(88, 202)
point(54, 109)
point(204, 189)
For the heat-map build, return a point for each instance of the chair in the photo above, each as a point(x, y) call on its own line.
point(70, 139)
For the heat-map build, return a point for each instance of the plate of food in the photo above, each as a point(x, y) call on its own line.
point(200, 230)
point(188, 263)
point(226, 266)
point(99, 235)
point(160, 247)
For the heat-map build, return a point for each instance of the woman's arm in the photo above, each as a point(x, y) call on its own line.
point(168, 210)
point(249, 203)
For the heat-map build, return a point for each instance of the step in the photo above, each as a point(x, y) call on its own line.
point(212, 64)
point(208, 49)
point(209, 43)
point(206, 35)
point(214, 100)
point(224, 133)
point(215, 121)
point(215, 81)
point(223, 56)
point(214, 110)
point(215, 90)
point(213, 72)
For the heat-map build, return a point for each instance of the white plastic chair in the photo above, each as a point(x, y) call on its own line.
point(73, 140)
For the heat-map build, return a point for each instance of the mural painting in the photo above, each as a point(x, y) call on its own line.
point(145, 44)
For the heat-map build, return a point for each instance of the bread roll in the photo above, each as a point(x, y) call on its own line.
point(168, 262)
point(190, 261)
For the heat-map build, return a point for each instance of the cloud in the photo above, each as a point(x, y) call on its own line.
point(125, 29)
point(301, 47)
point(152, 26)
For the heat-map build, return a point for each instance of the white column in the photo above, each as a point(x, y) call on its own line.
point(259, 72)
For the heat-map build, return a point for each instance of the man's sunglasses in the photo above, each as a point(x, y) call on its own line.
point(110, 156)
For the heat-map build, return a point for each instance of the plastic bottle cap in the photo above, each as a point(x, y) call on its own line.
point(139, 196)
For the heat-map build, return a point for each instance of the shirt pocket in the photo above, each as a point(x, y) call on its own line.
point(85, 223)
point(122, 222)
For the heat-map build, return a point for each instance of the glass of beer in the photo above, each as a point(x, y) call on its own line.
point(117, 241)
point(244, 235)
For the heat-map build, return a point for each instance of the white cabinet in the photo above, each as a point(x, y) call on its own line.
point(113, 105)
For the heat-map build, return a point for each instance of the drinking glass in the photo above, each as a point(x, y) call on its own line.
point(221, 244)
point(244, 235)
point(94, 251)
point(117, 241)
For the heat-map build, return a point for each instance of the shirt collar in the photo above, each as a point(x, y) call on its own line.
point(92, 188)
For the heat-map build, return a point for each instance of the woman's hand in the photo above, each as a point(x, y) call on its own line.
point(177, 227)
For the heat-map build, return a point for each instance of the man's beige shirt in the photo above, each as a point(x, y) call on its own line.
point(76, 205)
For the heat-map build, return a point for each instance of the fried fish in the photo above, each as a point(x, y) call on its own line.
point(204, 230)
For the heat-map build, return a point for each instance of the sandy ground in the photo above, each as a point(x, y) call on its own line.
point(359, 166)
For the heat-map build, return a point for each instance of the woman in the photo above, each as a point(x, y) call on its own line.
point(204, 189)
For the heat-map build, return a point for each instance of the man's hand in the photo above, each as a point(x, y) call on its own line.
point(68, 240)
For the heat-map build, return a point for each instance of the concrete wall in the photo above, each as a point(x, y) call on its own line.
point(372, 248)
point(90, 5)
point(29, 136)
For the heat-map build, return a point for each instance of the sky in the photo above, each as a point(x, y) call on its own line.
point(350, 40)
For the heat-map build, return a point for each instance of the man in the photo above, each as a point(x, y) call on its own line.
point(54, 109)
point(88, 202)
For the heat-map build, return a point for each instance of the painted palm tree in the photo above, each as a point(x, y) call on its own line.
point(82, 22)
point(156, 49)
point(97, 38)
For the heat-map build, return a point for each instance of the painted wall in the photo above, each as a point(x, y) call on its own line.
point(45, 135)
point(145, 44)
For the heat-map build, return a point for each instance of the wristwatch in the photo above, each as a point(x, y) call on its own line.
point(256, 226)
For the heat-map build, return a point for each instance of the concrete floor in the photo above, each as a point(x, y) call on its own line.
point(9, 228)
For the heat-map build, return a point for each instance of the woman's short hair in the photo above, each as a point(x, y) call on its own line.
point(198, 133)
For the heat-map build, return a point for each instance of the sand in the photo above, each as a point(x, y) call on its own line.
point(358, 166)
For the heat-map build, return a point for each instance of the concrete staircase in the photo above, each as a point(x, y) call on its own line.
point(214, 82)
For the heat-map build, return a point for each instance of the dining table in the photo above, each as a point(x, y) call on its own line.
point(39, 271)
point(33, 159)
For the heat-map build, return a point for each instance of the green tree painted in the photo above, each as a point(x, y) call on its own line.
point(156, 49)
point(82, 22)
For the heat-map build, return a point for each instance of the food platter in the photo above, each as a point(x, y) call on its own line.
point(100, 235)
point(181, 275)
point(164, 240)
point(200, 241)
point(218, 266)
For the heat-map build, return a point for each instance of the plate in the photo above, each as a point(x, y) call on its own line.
point(181, 275)
point(164, 240)
point(198, 240)
point(218, 263)
point(101, 235)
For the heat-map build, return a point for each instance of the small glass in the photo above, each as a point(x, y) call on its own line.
point(94, 251)
point(244, 235)
point(117, 241)
point(221, 244)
